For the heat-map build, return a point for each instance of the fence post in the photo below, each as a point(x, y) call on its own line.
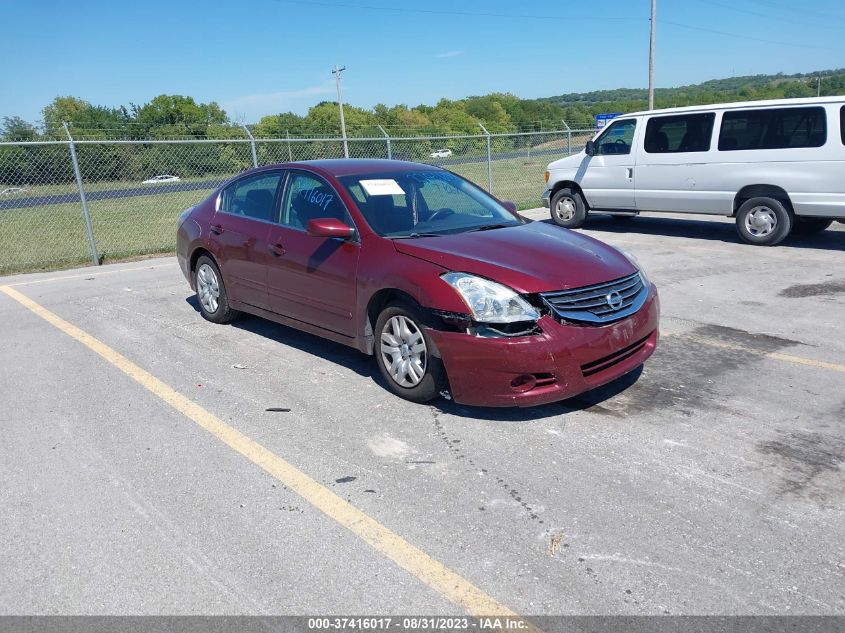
point(290, 153)
point(85, 215)
point(252, 145)
point(489, 159)
point(387, 138)
point(568, 138)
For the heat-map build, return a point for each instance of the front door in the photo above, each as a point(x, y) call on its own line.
point(312, 279)
point(607, 178)
point(240, 229)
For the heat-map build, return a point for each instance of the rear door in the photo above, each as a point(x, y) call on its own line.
point(607, 178)
point(671, 172)
point(240, 229)
point(312, 279)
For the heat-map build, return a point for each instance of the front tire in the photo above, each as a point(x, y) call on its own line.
point(404, 356)
point(211, 293)
point(568, 208)
point(763, 221)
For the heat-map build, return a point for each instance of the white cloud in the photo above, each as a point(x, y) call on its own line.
point(449, 54)
point(252, 107)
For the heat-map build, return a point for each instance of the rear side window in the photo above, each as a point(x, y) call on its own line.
point(773, 128)
point(682, 133)
point(842, 123)
point(252, 197)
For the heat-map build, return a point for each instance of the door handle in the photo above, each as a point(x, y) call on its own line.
point(630, 173)
point(217, 229)
point(277, 249)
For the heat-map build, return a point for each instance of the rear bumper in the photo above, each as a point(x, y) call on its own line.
point(564, 361)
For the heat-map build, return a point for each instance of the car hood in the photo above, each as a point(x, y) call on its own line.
point(534, 257)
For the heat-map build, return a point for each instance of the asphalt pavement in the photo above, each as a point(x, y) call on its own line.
point(709, 483)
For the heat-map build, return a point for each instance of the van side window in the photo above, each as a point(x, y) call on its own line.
point(682, 133)
point(842, 123)
point(773, 128)
point(617, 138)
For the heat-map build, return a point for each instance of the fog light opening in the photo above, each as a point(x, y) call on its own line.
point(523, 383)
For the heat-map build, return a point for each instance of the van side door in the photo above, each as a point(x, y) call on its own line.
point(672, 164)
point(607, 178)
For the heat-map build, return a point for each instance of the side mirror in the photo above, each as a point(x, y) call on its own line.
point(329, 227)
point(590, 148)
point(509, 205)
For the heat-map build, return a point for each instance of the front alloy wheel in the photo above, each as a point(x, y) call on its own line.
point(404, 354)
point(403, 351)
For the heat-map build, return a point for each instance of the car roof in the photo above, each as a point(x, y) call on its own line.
point(740, 104)
point(357, 166)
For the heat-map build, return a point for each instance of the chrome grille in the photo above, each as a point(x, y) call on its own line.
point(601, 303)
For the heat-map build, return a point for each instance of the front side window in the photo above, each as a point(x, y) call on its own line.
point(617, 138)
point(308, 197)
point(773, 128)
point(422, 203)
point(681, 133)
point(252, 197)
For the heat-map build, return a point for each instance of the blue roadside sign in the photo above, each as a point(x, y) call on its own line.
point(602, 119)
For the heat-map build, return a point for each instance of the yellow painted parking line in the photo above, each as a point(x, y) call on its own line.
point(436, 575)
point(786, 358)
point(95, 274)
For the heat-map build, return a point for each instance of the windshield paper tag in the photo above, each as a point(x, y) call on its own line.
point(383, 187)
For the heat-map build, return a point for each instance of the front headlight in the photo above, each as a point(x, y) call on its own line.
point(489, 302)
point(636, 262)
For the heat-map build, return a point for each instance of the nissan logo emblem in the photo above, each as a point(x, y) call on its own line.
point(614, 300)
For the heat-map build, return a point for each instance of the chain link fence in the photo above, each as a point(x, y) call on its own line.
point(66, 203)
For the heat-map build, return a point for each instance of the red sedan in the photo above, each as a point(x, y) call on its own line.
point(450, 289)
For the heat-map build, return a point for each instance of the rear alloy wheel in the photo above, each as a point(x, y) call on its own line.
point(808, 226)
point(568, 209)
point(763, 221)
point(403, 353)
point(211, 293)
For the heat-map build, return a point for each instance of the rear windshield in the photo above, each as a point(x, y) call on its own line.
point(773, 128)
point(422, 203)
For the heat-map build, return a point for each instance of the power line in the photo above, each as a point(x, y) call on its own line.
point(474, 14)
point(769, 17)
point(745, 37)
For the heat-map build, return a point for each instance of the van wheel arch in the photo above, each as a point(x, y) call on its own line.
point(571, 185)
point(761, 191)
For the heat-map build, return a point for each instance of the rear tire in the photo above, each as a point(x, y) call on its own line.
point(403, 352)
point(763, 221)
point(568, 209)
point(211, 293)
point(808, 226)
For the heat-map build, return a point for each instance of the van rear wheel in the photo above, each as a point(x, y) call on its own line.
point(763, 221)
point(568, 209)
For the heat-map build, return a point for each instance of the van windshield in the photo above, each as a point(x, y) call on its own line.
point(411, 204)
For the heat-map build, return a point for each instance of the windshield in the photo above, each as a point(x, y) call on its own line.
point(424, 203)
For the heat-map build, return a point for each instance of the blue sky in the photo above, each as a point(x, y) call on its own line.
point(258, 57)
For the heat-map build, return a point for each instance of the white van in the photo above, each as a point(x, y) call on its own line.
point(777, 166)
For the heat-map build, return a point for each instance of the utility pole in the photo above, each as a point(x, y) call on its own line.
point(651, 57)
point(336, 72)
point(818, 85)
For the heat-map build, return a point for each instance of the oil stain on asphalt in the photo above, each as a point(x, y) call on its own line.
point(814, 290)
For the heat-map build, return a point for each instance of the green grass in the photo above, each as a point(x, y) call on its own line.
point(53, 236)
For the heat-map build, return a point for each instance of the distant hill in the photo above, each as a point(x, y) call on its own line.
point(581, 106)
